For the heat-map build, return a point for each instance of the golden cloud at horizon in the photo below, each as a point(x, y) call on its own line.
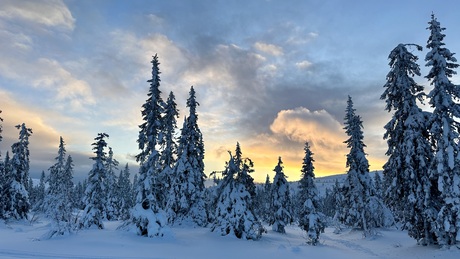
point(288, 133)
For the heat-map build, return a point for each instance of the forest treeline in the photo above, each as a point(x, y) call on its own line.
point(419, 191)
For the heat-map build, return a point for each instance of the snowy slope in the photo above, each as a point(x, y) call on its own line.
point(327, 182)
point(20, 240)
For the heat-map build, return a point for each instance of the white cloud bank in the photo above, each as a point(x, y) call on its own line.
point(268, 48)
point(51, 13)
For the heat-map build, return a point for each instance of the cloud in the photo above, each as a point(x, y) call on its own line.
point(246, 77)
point(323, 132)
point(15, 112)
point(300, 125)
point(119, 73)
point(44, 141)
point(50, 13)
point(126, 60)
point(230, 81)
point(156, 20)
point(51, 75)
point(14, 41)
point(313, 35)
point(269, 48)
point(286, 137)
point(303, 64)
point(23, 62)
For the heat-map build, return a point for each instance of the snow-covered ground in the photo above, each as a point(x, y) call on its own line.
point(22, 240)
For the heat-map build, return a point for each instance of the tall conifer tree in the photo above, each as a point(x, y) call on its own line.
point(244, 176)
point(357, 187)
point(5, 202)
point(111, 187)
point(280, 206)
point(125, 197)
point(18, 195)
point(54, 180)
point(95, 195)
point(2, 174)
point(168, 146)
point(59, 194)
point(147, 215)
point(444, 128)
point(186, 197)
point(408, 186)
point(310, 219)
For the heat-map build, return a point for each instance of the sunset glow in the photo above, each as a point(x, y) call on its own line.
point(268, 74)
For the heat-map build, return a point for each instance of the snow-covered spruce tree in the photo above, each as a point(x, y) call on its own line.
point(18, 196)
point(168, 146)
point(444, 131)
point(310, 219)
point(54, 180)
point(30, 190)
point(211, 193)
point(80, 194)
point(234, 212)
point(328, 203)
point(186, 201)
point(67, 179)
point(125, 197)
point(244, 176)
point(3, 179)
point(111, 187)
point(280, 205)
point(5, 201)
point(134, 189)
point(95, 193)
point(147, 215)
point(262, 200)
point(1, 128)
point(40, 193)
point(378, 185)
point(360, 208)
point(338, 195)
point(408, 190)
point(339, 200)
point(59, 195)
point(267, 192)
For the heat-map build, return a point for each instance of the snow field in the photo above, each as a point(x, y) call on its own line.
point(22, 240)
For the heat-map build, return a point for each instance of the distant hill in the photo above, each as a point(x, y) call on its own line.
point(327, 182)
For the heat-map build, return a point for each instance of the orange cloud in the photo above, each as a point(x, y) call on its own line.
point(289, 132)
point(44, 141)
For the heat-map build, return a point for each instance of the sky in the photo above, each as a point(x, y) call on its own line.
point(270, 75)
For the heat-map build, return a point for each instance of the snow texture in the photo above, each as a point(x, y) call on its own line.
point(19, 240)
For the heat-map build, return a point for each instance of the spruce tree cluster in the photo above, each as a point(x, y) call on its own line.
point(14, 174)
point(186, 201)
point(420, 185)
point(235, 213)
point(57, 202)
point(421, 175)
point(170, 188)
